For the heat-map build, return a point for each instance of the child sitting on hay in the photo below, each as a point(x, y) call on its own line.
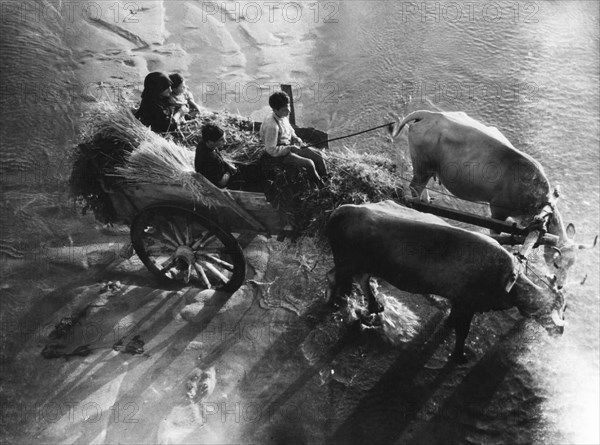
point(181, 99)
point(282, 143)
point(209, 161)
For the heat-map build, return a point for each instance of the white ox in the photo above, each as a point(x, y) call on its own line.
point(477, 163)
point(422, 254)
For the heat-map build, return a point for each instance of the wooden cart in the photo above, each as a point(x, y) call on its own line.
point(181, 239)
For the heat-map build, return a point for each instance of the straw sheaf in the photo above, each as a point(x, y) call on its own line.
point(159, 161)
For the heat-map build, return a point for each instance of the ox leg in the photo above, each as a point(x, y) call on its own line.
point(339, 285)
point(462, 326)
point(374, 306)
point(418, 185)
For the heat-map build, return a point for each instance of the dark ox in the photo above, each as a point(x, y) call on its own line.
point(478, 163)
point(422, 254)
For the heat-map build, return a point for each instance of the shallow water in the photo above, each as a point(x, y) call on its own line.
point(532, 71)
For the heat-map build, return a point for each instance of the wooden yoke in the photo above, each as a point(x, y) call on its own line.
point(536, 236)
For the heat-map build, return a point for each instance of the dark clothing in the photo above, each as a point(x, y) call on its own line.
point(210, 163)
point(156, 114)
point(155, 111)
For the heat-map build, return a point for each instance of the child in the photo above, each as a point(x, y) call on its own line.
point(281, 141)
point(181, 98)
point(209, 160)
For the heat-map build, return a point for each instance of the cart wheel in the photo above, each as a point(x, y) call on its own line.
point(180, 245)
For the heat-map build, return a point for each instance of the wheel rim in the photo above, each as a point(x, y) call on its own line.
point(179, 245)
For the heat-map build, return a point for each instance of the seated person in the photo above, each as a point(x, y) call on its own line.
point(155, 110)
point(281, 141)
point(181, 99)
point(209, 160)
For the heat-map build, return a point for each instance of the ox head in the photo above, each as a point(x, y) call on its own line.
point(560, 259)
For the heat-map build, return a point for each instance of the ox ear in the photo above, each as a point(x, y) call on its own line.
point(571, 231)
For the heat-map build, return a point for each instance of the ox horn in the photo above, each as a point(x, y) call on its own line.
point(557, 250)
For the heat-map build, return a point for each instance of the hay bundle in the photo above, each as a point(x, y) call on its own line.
point(109, 134)
point(160, 161)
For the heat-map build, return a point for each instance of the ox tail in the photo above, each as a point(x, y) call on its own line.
point(394, 129)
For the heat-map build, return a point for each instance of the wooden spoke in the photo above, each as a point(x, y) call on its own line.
point(188, 234)
point(177, 232)
point(208, 240)
point(168, 239)
point(186, 246)
point(202, 275)
point(215, 272)
point(167, 264)
point(198, 243)
point(188, 274)
point(218, 261)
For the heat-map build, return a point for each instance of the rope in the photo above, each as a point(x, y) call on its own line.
point(529, 268)
point(354, 134)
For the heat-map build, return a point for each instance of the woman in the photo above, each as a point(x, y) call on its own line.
point(155, 111)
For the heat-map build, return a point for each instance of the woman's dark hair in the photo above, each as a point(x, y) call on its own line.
point(278, 100)
point(176, 79)
point(212, 132)
point(154, 84)
point(152, 111)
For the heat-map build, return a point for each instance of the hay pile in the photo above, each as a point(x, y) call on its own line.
point(117, 149)
point(355, 178)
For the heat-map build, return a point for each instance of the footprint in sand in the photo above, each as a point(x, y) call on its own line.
point(189, 417)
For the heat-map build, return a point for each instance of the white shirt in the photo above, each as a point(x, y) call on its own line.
point(277, 133)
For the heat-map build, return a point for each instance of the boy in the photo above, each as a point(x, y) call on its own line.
point(209, 161)
point(281, 141)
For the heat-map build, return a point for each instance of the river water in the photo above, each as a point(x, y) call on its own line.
point(529, 68)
